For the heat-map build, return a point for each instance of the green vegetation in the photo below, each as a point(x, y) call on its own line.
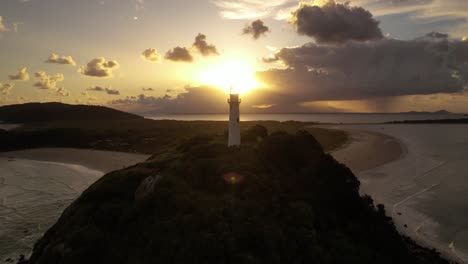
point(278, 199)
point(92, 127)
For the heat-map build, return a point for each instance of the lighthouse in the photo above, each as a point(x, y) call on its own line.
point(234, 120)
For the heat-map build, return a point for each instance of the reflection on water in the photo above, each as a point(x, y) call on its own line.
point(32, 196)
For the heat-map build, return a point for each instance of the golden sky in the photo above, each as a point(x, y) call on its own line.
point(153, 56)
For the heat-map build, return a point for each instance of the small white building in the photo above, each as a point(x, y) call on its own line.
point(234, 120)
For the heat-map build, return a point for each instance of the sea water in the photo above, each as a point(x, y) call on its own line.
point(33, 194)
point(427, 189)
point(335, 118)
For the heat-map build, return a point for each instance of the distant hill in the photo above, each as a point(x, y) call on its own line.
point(46, 112)
point(432, 121)
point(440, 112)
point(281, 200)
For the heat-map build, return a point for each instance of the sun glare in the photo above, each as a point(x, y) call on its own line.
point(234, 74)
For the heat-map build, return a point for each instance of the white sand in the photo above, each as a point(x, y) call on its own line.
point(388, 169)
point(105, 161)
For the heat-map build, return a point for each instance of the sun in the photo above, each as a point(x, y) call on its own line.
point(233, 75)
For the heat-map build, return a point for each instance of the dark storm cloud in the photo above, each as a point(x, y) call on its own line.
point(179, 54)
point(336, 23)
point(382, 68)
point(256, 29)
point(203, 47)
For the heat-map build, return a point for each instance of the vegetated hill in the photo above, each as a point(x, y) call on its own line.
point(46, 112)
point(281, 200)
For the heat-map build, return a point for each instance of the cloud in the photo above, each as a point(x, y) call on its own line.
point(21, 75)
point(270, 58)
point(209, 100)
point(336, 23)
point(151, 55)
point(48, 82)
point(62, 92)
point(179, 54)
point(361, 70)
point(203, 47)
point(256, 29)
point(3, 28)
point(108, 90)
point(5, 89)
point(67, 60)
point(100, 67)
point(251, 9)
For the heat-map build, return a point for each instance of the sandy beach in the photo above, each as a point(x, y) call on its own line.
point(104, 161)
point(392, 170)
point(37, 185)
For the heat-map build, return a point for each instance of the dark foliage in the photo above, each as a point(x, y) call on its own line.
point(44, 112)
point(254, 134)
point(281, 201)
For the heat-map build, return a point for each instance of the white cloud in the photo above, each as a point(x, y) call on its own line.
point(54, 58)
point(21, 75)
point(48, 82)
point(3, 28)
point(251, 9)
point(6, 88)
point(99, 67)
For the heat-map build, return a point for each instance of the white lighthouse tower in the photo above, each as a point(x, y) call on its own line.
point(234, 119)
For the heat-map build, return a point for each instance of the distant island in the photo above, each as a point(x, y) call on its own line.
point(440, 112)
point(432, 121)
point(278, 199)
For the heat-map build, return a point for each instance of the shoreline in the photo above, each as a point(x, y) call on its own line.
point(104, 161)
point(36, 185)
point(361, 156)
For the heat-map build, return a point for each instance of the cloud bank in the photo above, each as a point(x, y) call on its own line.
point(336, 23)
point(21, 75)
point(256, 29)
point(65, 60)
point(388, 67)
point(100, 67)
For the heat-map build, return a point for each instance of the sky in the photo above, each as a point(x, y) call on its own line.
point(283, 56)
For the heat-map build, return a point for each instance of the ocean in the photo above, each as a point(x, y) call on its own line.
point(426, 190)
point(346, 118)
point(33, 194)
